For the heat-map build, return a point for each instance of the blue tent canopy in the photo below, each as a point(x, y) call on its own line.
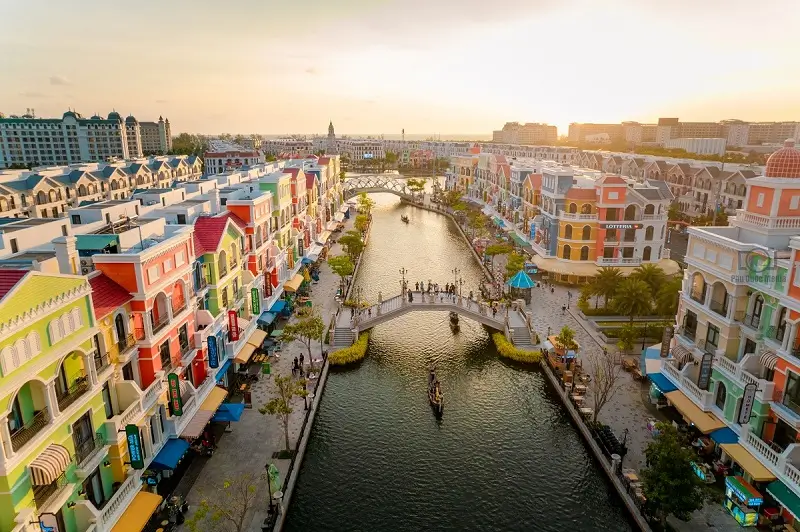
point(229, 412)
point(498, 222)
point(521, 280)
point(724, 435)
point(169, 455)
point(307, 260)
point(223, 370)
point(661, 382)
point(278, 306)
point(266, 318)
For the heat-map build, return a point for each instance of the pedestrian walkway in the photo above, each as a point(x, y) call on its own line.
point(249, 447)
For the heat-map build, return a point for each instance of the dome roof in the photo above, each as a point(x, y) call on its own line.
point(113, 115)
point(785, 162)
point(131, 120)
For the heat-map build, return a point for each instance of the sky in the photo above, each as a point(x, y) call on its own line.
point(379, 66)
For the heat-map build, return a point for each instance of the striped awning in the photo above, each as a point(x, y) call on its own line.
point(681, 354)
point(47, 467)
point(768, 359)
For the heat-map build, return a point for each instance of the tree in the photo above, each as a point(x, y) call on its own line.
point(458, 206)
point(633, 298)
point(342, 266)
point(453, 198)
point(607, 281)
point(391, 158)
point(566, 338)
point(305, 331)
point(669, 481)
point(188, 144)
point(280, 406)
point(627, 337)
point(270, 158)
point(415, 186)
point(652, 275)
point(666, 299)
point(515, 263)
point(477, 222)
point(342, 176)
point(497, 249)
point(227, 508)
point(674, 213)
point(362, 222)
point(365, 203)
point(606, 369)
point(352, 244)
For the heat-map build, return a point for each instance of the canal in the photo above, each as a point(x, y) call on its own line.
point(505, 455)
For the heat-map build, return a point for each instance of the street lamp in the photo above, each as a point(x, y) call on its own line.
point(403, 273)
point(455, 271)
point(460, 284)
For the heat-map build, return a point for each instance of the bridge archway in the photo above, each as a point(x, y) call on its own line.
point(375, 183)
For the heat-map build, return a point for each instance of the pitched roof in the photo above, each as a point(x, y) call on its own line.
point(208, 231)
point(581, 193)
point(324, 160)
point(107, 296)
point(236, 219)
point(310, 180)
point(611, 180)
point(9, 279)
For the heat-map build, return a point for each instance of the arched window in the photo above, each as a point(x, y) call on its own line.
point(662, 231)
point(82, 191)
point(758, 306)
point(585, 253)
point(587, 233)
point(52, 195)
point(573, 208)
point(648, 233)
point(630, 212)
point(586, 208)
point(650, 209)
point(646, 253)
point(566, 252)
point(568, 232)
point(721, 395)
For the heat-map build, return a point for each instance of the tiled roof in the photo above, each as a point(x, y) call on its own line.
point(785, 162)
point(235, 219)
point(208, 232)
point(611, 180)
point(107, 296)
point(310, 180)
point(9, 279)
point(581, 193)
point(324, 160)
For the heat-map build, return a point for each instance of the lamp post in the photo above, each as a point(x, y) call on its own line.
point(456, 272)
point(403, 273)
point(460, 284)
point(644, 334)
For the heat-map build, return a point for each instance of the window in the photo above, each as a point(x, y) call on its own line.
point(760, 200)
point(183, 337)
point(794, 203)
point(166, 360)
point(180, 258)
point(14, 246)
point(152, 274)
point(712, 336)
point(613, 195)
point(167, 265)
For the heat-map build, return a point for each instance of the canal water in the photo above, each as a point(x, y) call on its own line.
point(503, 457)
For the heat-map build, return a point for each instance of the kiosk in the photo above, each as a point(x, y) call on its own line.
point(742, 501)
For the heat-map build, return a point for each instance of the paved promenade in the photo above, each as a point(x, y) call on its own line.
point(253, 440)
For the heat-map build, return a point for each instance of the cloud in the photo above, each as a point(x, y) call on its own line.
point(59, 80)
point(32, 94)
point(311, 71)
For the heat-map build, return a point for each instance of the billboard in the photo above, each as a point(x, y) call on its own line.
point(368, 156)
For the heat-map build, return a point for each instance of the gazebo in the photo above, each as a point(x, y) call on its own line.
point(521, 285)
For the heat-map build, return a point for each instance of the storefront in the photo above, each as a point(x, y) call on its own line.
point(168, 466)
point(705, 422)
point(788, 500)
point(138, 513)
point(746, 464)
point(659, 387)
point(742, 501)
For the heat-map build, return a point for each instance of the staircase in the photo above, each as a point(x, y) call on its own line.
point(521, 338)
point(342, 337)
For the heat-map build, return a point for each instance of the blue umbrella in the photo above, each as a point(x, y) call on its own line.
point(521, 280)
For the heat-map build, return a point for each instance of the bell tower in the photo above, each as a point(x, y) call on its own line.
point(332, 147)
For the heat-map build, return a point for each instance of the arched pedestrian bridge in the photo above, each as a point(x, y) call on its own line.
point(376, 183)
point(510, 321)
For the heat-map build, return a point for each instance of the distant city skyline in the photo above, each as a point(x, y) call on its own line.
point(384, 65)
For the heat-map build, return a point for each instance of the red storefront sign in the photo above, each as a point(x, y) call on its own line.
point(233, 325)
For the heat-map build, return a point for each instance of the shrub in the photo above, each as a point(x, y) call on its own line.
point(352, 303)
point(351, 354)
point(598, 311)
point(507, 350)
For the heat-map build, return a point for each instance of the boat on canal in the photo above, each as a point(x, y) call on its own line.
point(435, 395)
point(404, 219)
point(454, 321)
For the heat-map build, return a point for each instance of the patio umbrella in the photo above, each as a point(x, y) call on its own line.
point(521, 280)
point(276, 333)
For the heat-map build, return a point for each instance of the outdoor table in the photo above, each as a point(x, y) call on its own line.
point(568, 386)
point(577, 398)
point(580, 388)
point(586, 412)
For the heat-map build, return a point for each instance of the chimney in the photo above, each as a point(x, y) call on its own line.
point(213, 195)
point(66, 254)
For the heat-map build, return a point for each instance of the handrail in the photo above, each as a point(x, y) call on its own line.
point(78, 388)
point(41, 494)
point(86, 448)
point(30, 429)
point(160, 323)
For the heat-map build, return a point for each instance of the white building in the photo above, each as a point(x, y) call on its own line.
point(218, 162)
point(700, 146)
point(358, 149)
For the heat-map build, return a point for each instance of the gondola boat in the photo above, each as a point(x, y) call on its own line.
point(435, 395)
point(404, 219)
point(454, 321)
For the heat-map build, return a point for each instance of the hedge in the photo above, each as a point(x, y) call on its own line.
point(507, 350)
point(652, 332)
point(351, 354)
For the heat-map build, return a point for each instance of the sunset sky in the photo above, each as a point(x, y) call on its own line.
point(446, 66)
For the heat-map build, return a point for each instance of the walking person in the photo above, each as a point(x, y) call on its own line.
point(302, 358)
point(417, 287)
point(294, 367)
point(563, 309)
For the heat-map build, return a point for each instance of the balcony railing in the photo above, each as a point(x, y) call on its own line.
point(30, 429)
point(41, 494)
point(86, 449)
point(576, 216)
point(618, 260)
point(699, 296)
point(776, 333)
point(126, 343)
point(101, 362)
point(223, 272)
point(720, 307)
point(180, 307)
point(160, 323)
point(752, 320)
point(232, 263)
point(73, 393)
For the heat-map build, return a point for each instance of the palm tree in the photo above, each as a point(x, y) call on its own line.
point(650, 274)
point(607, 282)
point(632, 298)
point(666, 298)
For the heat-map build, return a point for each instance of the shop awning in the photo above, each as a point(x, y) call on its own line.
point(558, 266)
point(169, 455)
point(196, 425)
point(266, 318)
point(331, 225)
point(661, 382)
point(138, 512)
point(724, 435)
point(229, 412)
point(257, 338)
point(344, 208)
point(704, 421)
point(223, 370)
point(214, 399)
point(307, 260)
point(323, 237)
point(276, 333)
point(339, 217)
point(293, 284)
point(785, 496)
point(769, 359)
point(49, 465)
point(681, 354)
point(519, 240)
point(753, 467)
point(243, 357)
point(278, 306)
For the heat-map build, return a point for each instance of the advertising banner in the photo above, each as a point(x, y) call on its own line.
point(134, 441)
point(213, 353)
point(175, 400)
point(233, 325)
point(747, 403)
point(705, 371)
point(666, 340)
point(255, 301)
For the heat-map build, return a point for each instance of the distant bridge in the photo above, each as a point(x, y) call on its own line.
point(376, 183)
point(507, 320)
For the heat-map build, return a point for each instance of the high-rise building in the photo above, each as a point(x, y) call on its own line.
point(156, 137)
point(332, 147)
point(578, 132)
point(530, 134)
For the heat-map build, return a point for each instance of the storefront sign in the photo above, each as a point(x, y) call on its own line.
point(747, 403)
point(255, 301)
point(175, 400)
point(705, 371)
point(49, 523)
point(134, 446)
point(233, 325)
point(213, 354)
point(268, 285)
point(666, 340)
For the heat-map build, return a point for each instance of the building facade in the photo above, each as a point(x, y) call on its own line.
point(156, 137)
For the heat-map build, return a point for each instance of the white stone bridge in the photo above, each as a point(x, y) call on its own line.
point(376, 183)
point(508, 320)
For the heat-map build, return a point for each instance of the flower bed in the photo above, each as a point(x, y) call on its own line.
point(351, 354)
point(507, 350)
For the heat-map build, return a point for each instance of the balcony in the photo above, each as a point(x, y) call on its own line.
point(118, 502)
point(720, 307)
point(42, 494)
point(653, 217)
point(698, 296)
point(752, 321)
point(761, 449)
point(758, 220)
point(788, 410)
point(187, 351)
point(625, 261)
point(180, 307)
point(738, 372)
point(160, 323)
point(223, 272)
point(101, 363)
point(576, 216)
point(611, 242)
point(776, 333)
point(30, 429)
point(200, 282)
point(73, 393)
point(685, 383)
